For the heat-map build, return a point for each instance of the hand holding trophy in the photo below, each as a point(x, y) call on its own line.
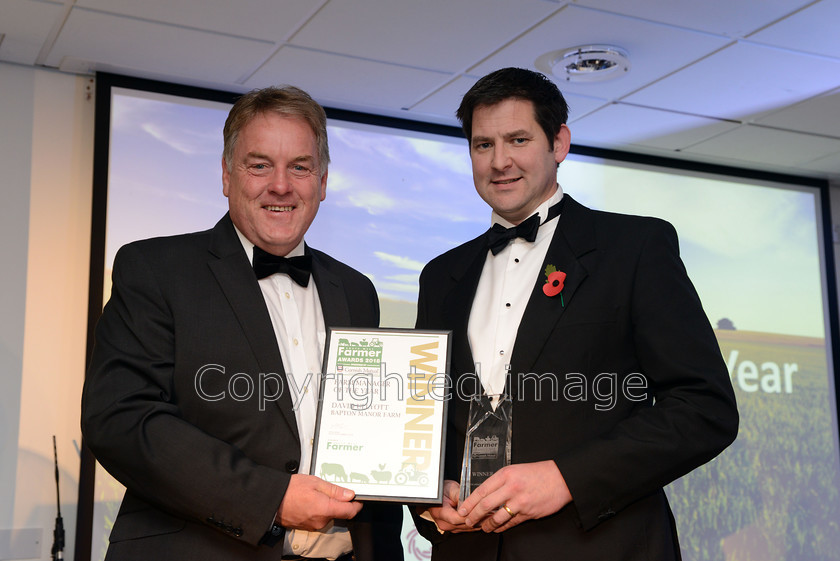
point(487, 443)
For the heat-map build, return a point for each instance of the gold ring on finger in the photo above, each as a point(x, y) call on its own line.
point(509, 511)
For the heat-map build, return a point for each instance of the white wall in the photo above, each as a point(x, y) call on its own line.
point(15, 151)
point(46, 155)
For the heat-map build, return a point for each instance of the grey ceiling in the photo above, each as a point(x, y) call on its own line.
point(751, 83)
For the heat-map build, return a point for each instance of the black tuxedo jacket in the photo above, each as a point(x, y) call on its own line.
point(181, 401)
point(628, 308)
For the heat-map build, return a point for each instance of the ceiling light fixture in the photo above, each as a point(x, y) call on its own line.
point(589, 63)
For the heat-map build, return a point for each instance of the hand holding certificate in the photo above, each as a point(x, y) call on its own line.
point(382, 413)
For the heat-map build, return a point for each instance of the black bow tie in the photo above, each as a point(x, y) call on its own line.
point(298, 268)
point(498, 236)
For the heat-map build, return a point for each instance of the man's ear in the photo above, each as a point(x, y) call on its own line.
point(562, 143)
point(225, 178)
point(324, 185)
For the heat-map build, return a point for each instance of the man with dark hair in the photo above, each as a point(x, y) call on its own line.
point(197, 397)
point(586, 300)
point(550, 108)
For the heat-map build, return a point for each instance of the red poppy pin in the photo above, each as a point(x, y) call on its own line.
point(555, 282)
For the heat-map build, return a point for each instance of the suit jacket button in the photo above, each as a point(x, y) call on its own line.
point(292, 466)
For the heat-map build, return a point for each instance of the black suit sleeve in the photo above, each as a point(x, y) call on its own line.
point(693, 416)
point(133, 421)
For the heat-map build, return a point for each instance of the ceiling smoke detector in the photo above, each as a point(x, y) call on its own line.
point(590, 63)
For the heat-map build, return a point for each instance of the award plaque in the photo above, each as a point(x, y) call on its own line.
point(487, 444)
point(382, 413)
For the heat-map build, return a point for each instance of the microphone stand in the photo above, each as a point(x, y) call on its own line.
point(58, 532)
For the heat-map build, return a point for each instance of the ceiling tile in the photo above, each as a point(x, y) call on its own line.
point(25, 25)
point(820, 115)
point(446, 100)
point(812, 30)
point(256, 19)
point(742, 81)
point(338, 81)
point(646, 43)
point(433, 34)
point(767, 146)
point(170, 50)
point(619, 124)
point(581, 105)
point(829, 165)
point(733, 18)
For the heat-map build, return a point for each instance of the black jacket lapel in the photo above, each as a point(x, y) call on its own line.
point(236, 278)
point(458, 303)
point(573, 238)
point(331, 293)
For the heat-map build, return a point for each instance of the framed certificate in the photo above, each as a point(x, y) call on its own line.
point(382, 413)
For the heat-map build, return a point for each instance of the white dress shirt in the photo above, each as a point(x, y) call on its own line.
point(503, 291)
point(298, 323)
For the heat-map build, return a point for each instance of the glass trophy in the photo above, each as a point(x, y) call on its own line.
point(487, 444)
